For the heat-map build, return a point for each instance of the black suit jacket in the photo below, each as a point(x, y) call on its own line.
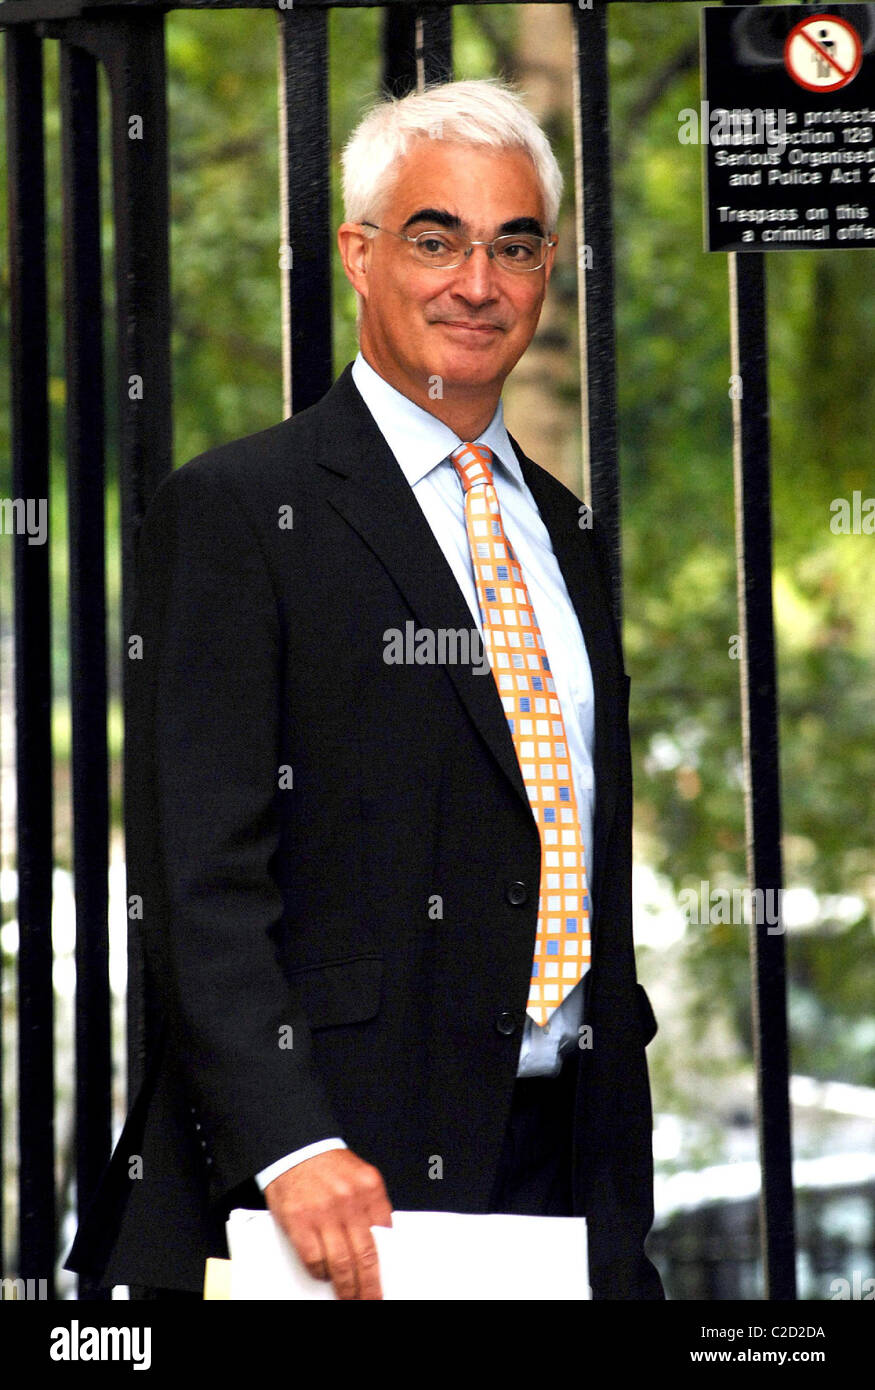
point(308, 987)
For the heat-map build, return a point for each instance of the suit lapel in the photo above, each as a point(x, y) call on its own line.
point(376, 500)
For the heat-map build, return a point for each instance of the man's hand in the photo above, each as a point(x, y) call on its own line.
point(326, 1206)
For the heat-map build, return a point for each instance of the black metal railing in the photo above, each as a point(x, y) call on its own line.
point(126, 38)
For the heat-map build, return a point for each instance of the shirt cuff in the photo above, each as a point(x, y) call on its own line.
point(291, 1160)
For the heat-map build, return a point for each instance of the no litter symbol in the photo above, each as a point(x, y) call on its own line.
point(823, 53)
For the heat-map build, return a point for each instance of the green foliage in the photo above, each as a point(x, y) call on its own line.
point(225, 239)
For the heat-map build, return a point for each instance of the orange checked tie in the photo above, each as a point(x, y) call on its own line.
point(518, 660)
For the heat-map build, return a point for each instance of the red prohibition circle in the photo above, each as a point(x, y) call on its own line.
point(855, 39)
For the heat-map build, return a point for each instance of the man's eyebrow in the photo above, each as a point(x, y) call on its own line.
point(441, 218)
point(521, 224)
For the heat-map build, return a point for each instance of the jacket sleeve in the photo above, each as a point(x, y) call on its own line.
point(204, 720)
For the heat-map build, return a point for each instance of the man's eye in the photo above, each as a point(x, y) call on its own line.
point(518, 250)
point(434, 245)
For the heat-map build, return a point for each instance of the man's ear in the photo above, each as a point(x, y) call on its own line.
point(354, 247)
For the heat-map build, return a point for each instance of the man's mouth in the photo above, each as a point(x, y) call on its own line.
point(471, 327)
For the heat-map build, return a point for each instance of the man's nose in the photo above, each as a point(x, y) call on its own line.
point(476, 276)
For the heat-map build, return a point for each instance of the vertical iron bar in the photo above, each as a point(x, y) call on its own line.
point(33, 658)
point(598, 358)
point(417, 47)
point(132, 48)
point(305, 206)
point(88, 686)
point(759, 710)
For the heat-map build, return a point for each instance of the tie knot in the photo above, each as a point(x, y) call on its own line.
point(473, 463)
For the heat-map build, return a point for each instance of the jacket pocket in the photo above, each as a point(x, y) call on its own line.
point(344, 991)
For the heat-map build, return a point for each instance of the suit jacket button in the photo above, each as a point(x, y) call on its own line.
point(505, 1022)
point(517, 893)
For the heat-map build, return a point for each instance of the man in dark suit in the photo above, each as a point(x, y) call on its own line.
point(341, 866)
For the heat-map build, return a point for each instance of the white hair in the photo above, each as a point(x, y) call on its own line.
point(485, 112)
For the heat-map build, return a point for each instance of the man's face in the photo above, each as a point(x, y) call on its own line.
point(468, 325)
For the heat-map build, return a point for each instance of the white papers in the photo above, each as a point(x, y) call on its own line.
point(264, 1264)
point(450, 1255)
point(434, 1255)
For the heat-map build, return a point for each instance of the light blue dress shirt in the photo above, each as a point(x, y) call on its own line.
point(422, 445)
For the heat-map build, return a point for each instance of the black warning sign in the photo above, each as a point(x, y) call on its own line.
point(787, 124)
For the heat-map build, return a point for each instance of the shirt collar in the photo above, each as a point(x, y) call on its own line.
point(419, 440)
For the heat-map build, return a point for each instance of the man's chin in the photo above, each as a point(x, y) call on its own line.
point(474, 367)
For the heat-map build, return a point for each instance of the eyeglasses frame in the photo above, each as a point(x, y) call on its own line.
point(549, 242)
